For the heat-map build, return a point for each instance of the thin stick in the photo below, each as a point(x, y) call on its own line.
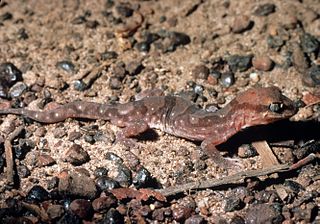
point(236, 178)
point(9, 155)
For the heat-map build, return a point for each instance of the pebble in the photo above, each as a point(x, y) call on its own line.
point(177, 39)
point(74, 135)
point(241, 23)
point(22, 170)
point(263, 213)
point(6, 16)
point(76, 155)
point(113, 157)
point(309, 43)
point(67, 66)
point(113, 217)
point(55, 211)
point(254, 77)
point(59, 133)
point(233, 203)
point(314, 74)
point(227, 79)
point(82, 208)
point(200, 72)
point(9, 75)
point(115, 83)
point(142, 46)
point(100, 171)
point(124, 10)
point(142, 178)
point(262, 63)
point(45, 160)
point(22, 34)
point(195, 219)
point(69, 217)
point(37, 194)
point(299, 60)
point(77, 185)
point(181, 213)
point(265, 9)
point(104, 203)
point(275, 41)
point(246, 151)
point(239, 62)
point(107, 55)
point(106, 183)
point(92, 24)
point(122, 175)
point(79, 85)
point(134, 67)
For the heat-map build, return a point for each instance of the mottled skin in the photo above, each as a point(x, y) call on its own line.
point(179, 117)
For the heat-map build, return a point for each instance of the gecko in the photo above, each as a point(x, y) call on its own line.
point(178, 116)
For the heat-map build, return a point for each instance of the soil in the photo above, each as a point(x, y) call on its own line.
point(109, 51)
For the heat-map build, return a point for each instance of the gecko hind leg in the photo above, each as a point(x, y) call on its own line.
point(133, 129)
point(227, 163)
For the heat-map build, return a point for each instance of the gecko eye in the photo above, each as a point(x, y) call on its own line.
point(276, 107)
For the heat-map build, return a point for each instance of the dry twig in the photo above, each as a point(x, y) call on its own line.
point(236, 178)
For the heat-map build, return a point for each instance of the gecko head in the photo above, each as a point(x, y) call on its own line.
point(264, 105)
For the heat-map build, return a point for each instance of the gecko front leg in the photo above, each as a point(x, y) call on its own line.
point(132, 129)
point(209, 146)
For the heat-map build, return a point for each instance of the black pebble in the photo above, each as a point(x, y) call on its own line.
point(69, 218)
point(112, 217)
point(143, 46)
point(9, 75)
point(17, 89)
point(314, 73)
point(113, 157)
point(142, 178)
point(100, 171)
point(124, 176)
point(239, 62)
point(309, 43)
point(37, 194)
point(106, 183)
point(22, 34)
point(79, 85)
point(6, 16)
point(275, 42)
point(66, 66)
point(108, 55)
point(227, 79)
point(265, 9)
point(233, 203)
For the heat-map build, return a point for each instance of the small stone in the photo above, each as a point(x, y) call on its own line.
point(69, 217)
point(74, 135)
point(59, 133)
point(124, 10)
point(76, 185)
point(92, 24)
point(5, 16)
point(263, 213)
point(143, 178)
point(45, 160)
point(122, 175)
point(233, 203)
point(241, 24)
point(227, 79)
point(254, 77)
point(106, 183)
point(299, 60)
point(103, 204)
point(113, 157)
point(262, 63)
point(82, 208)
point(9, 75)
point(40, 132)
point(17, 89)
point(79, 85)
point(113, 217)
point(22, 34)
point(55, 211)
point(246, 151)
point(66, 66)
point(181, 213)
point(177, 39)
point(76, 155)
point(37, 194)
point(107, 55)
point(309, 43)
point(23, 171)
point(239, 62)
point(115, 83)
point(142, 46)
point(134, 67)
point(265, 9)
point(195, 219)
point(275, 41)
point(200, 72)
point(100, 171)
